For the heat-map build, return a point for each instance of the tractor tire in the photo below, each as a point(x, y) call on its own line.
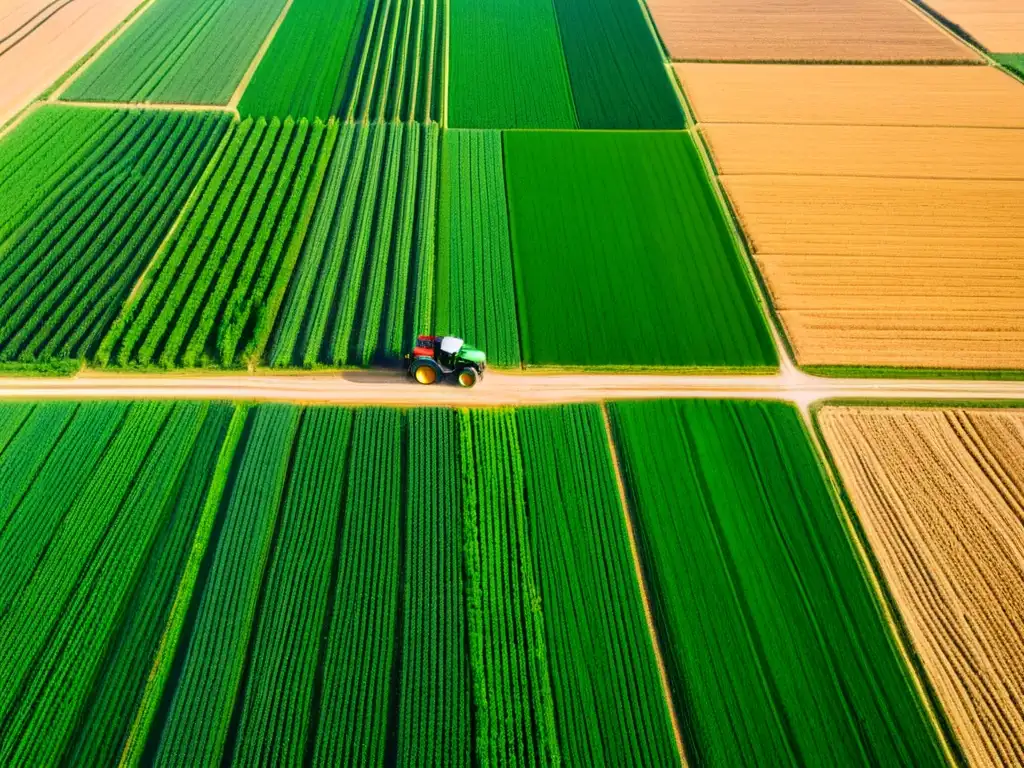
point(467, 377)
point(425, 371)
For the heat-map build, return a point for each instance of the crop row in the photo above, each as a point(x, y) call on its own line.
point(774, 643)
point(558, 64)
point(364, 283)
point(216, 288)
point(70, 265)
point(180, 51)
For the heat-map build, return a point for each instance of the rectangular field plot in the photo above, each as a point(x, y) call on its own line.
point(798, 30)
point(89, 215)
point(476, 297)
point(623, 256)
point(939, 495)
point(996, 24)
point(507, 67)
point(275, 583)
point(215, 290)
point(775, 644)
point(180, 51)
point(966, 97)
point(363, 60)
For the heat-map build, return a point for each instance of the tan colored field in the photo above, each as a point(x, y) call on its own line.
point(802, 30)
point(996, 24)
point(891, 272)
point(940, 497)
point(851, 95)
point(952, 153)
point(43, 38)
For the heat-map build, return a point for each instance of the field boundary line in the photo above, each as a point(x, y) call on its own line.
point(137, 14)
point(147, 105)
point(19, 118)
point(642, 585)
point(951, 29)
point(236, 97)
point(886, 602)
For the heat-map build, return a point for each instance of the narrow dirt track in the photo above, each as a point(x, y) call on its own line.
point(378, 387)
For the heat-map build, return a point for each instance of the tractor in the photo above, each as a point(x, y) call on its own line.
point(436, 357)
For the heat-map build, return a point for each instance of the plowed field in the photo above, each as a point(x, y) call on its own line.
point(996, 24)
point(940, 498)
point(40, 39)
point(802, 30)
point(847, 150)
point(844, 95)
point(891, 272)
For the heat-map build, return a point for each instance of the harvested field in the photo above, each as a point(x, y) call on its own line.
point(40, 39)
point(891, 272)
point(848, 150)
point(842, 95)
point(940, 498)
point(802, 30)
point(996, 24)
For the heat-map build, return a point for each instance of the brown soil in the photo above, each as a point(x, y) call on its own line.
point(996, 24)
point(940, 497)
point(853, 95)
point(802, 30)
point(836, 150)
point(47, 45)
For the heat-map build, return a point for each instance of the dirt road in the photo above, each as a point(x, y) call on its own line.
point(392, 388)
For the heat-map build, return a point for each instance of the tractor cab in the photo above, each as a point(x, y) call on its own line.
point(436, 357)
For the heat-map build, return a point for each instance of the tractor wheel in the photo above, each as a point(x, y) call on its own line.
point(425, 371)
point(467, 377)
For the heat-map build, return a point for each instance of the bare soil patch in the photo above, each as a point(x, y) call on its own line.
point(940, 498)
point(802, 30)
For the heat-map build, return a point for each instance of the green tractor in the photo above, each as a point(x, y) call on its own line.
point(436, 357)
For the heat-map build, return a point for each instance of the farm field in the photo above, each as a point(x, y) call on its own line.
point(289, 519)
point(40, 39)
point(179, 51)
point(999, 26)
point(797, 30)
point(938, 494)
point(775, 643)
point(884, 238)
point(608, 205)
point(88, 218)
point(1012, 61)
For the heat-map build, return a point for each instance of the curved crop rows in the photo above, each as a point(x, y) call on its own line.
point(73, 261)
point(217, 286)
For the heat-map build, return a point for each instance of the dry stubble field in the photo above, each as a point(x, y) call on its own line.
point(996, 24)
point(885, 213)
point(802, 30)
point(41, 39)
point(940, 498)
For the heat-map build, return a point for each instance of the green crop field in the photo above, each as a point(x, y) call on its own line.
point(775, 644)
point(475, 287)
point(364, 283)
point(215, 291)
point(507, 66)
point(180, 51)
point(623, 257)
point(94, 210)
point(1012, 61)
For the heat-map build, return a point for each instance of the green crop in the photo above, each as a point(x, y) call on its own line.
point(187, 51)
point(72, 263)
point(775, 644)
point(476, 297)
point(507, 66)
point(210, 284)
point(623, 257)
point(30, 435)
point(618, 77)
point(607, 694)
point(1012, 61)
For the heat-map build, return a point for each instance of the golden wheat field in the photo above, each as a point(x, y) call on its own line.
point(39, 40)
point(996, 24)
point(891, 272)
point(802, 30)
point(980, 97)
point(844, 150)
point(940, 497)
